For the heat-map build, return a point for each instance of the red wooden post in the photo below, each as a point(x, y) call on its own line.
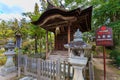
point(104, 59)
point(104, 38)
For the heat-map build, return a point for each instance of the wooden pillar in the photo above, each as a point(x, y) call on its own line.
point(46, 44)
point(69, 37)
point(55, 43)
point(69, 34)
point(19, 63)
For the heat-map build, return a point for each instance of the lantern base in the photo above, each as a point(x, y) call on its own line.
point(78, 75)
point(9, 66)
point(5, 71)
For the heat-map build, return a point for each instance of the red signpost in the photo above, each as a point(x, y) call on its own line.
point(104, 38)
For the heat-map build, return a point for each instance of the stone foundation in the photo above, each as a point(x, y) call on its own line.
point(5, 71)
point(28, 78)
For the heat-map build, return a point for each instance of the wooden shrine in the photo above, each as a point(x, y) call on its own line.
point(66, 21)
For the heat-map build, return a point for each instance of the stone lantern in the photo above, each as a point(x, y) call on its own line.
point(18, 39)
point(9, 65)
point(78, 49)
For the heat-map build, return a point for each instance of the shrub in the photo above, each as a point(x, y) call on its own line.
point(38, 55)
point(115, 55)
point(2, 56)
point(2, 60)
point(93, 47)
point(118, 60)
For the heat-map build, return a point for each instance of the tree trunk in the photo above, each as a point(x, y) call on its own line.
point(113, 18)
point(118, 36)
point(36, 49)
point(46, 44)
point(51, 41)
point(40, 43)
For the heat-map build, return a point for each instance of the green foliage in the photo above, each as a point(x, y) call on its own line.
point(2, 60)
point(5, 31)
point(34, 31)
point(2, 57)
point(73, 4)
point(2, 50)
point(93, 47)
point(35, 15)
point(115, 55)
point(41, 55)
point(118, 60)
point(87, 36)
point(107, 10)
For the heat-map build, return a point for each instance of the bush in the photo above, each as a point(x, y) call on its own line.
point(118, 60)
point(93, 47)
point(2, 60)
point(2, 57)
point(115, 55)
point(38, 55)
point(2, 51)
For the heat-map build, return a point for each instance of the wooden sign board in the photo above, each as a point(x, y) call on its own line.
point(104, 36)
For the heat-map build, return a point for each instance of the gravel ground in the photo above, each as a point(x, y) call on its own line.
point(112, 72)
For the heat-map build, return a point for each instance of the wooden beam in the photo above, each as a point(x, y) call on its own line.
point(54, 25)
point(66, 18)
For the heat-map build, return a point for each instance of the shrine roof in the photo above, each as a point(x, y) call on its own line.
point(55, 17)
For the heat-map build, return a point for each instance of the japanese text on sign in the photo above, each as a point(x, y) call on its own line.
point(104, 36)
